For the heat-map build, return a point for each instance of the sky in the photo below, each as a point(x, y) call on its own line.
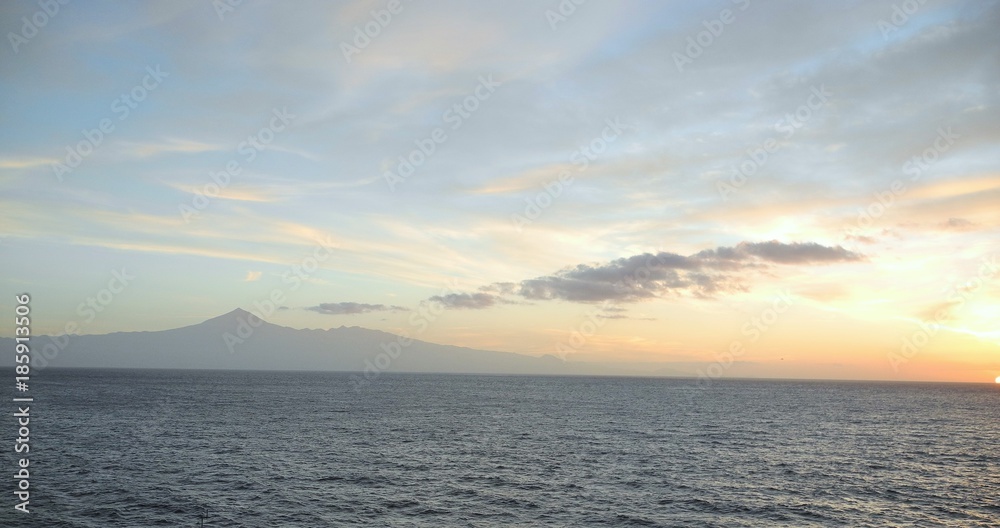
point(785, 189)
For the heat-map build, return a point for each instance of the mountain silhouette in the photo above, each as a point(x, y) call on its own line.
point(238, 340)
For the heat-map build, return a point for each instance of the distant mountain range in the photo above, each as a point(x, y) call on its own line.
point(230, 342)
point(240, 341)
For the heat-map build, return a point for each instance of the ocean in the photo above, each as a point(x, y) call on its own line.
point(271, 449)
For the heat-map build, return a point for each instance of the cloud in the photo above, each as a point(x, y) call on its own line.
point(471, 301)
point(506, 288)
point(25, 163)
point(628, 279)
point(352, 308)
point(778, 252)
point(241, 193)
point(617, 312)
point(253, 276)
point(621, 316)
point(958, 224)
point(648, 276)
point(168, 146)
point(864, 239)
point(940, 312)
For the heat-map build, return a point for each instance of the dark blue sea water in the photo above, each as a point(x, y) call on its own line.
point(156, 448)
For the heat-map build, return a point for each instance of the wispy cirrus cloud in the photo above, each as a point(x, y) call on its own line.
point(25, 163)
point(240, 193)
point(168, 146)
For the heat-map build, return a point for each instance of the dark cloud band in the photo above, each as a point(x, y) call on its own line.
point(647, 276)
point(351, 308)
